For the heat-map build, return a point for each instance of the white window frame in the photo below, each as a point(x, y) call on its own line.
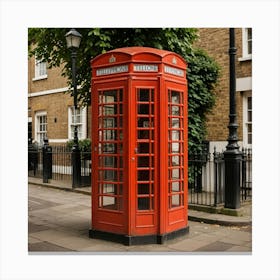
point(246, 121)
point(82, 125)
point(40, 72)
point(245, 54)
point(38, 132)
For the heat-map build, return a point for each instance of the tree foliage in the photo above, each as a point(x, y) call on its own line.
point(49, 44)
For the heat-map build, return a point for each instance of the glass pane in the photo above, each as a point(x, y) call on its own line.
point(143, 148)
point(143, 134)
point(109, 189)
point(143, 161)
point(249, 103)
point(175, 174)
point(110, 96)
point(175, 147)
point(120, 122)
point(175, 160)
point(109, 202)
point(143, 95)
point(109, 148)
point(143, 109)
point(175, 200)
point(110, 175)
point(175, 123)
point(143, 188)
point(121, 95)
point(109, 135)
point(143, 175)
point(175, 111)
point(249, 127)
point(120, 135)
point(120, 162)
point(120, 148)
point(175, 97)
point(249, 138)
point(120, 189)
point(249, 116)
point(110, 110)
point(175, 135)
point(143, 203)
point(250, 47)
point(110, 162)
point(109, 122)
point(144, 122)
point(175, 186)
point(249, 30)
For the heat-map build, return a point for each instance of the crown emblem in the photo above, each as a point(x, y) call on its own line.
point(174, 60)
point(112, 59)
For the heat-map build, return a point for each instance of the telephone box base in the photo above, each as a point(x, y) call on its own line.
point(138, 240)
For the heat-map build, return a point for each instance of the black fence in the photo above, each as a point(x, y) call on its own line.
point(206, 184)
point(207, 178)
point(55, 163)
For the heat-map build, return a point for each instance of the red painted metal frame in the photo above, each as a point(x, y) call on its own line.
point(132, 70)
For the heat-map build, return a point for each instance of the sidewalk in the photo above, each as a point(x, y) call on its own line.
point(198, 216)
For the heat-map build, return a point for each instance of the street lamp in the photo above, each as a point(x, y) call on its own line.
point(232, 155)
point(73, 39)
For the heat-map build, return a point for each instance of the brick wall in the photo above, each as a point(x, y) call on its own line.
point(53, 81)
point(56, 106)
point(216, 42)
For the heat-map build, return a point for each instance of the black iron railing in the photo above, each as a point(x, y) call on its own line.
point(207, 178)
point(54, 163)
point(206, 184)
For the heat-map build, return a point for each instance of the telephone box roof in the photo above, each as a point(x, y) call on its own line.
point(137, 50)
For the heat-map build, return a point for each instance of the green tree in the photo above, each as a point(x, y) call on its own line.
point(49, 44)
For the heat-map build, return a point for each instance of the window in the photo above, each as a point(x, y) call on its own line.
point(77, 117)
point(41, 124)
point(29, 129)
point(40, 69)
point(246, 44)
point(247, 120)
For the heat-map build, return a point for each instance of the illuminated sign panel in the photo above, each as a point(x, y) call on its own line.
point(145, 68)
point(112, 70)
point(174, 71)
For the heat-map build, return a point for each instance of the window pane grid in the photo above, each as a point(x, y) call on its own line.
point(249, 119)
point(145, 149)
point(175, 149)
point(110, 160)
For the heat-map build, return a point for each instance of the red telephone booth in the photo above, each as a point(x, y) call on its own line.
point(139, 152)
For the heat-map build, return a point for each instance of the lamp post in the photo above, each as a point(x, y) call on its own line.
point(73, 39)
point(232, 155)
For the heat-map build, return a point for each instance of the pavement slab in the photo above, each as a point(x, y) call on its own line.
point(59, 221)
point(46, 247)
point(216, 246)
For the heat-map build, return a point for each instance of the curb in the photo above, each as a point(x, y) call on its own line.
point(219, 222)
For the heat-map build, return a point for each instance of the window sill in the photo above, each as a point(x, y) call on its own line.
point(40, 78)
point(246, 58)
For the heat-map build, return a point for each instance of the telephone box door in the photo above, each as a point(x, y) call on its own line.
point(144, 132)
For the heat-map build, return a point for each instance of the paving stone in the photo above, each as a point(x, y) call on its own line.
point(240, 249)
point(76, 243)
point(46, 247)
point(217, 246)
point(32, 240)
point(188, 245)
point(34, 228)
point(234, 241)
point(63, 219)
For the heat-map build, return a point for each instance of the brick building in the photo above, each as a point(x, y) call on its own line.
point(50, 106)
point(216, 42)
